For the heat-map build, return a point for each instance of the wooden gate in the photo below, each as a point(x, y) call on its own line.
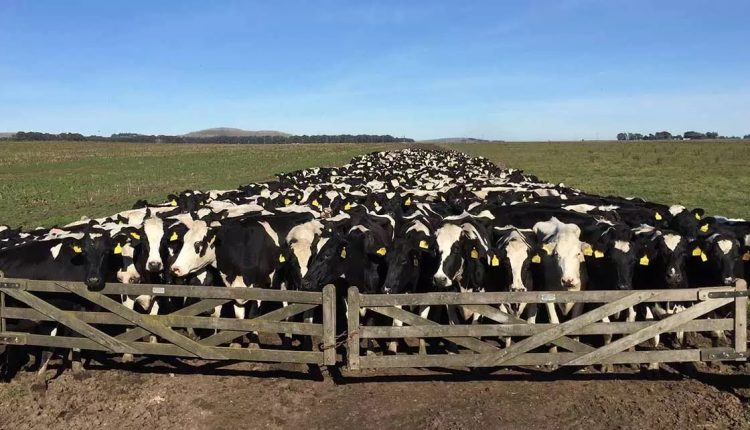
point(480, 346)
point(102, 323)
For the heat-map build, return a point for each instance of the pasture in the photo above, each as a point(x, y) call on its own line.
point(47, 183)
point(711, 174)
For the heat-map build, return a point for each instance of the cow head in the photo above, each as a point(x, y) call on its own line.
point(671, 255)
point(462, 250)
point(96, 249)
point(198, 247)
point(721, 254)
point(327, 263)
point(512, 255)
point(563, 248)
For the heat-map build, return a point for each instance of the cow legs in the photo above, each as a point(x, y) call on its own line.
point(254, 340)
point(154, 311)
point(393, 344)
point(508, 339)
point(239, 313)
point(553, 319)
point(453, 319)
point(129, 303)
point(655, 340)
point(424, 312)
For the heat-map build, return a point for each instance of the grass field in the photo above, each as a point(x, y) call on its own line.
point(714, 175)
point(47, 183)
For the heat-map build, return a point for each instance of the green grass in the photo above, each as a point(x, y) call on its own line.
point(713, 175)
point(48, 183)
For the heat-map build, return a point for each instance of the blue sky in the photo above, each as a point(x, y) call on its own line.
point(565, 69)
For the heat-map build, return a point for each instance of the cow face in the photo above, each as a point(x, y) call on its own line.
point(457, 245)
point(155, 241)
point(198, 249)
point(722, 253)
point(96, 248)
point(129, 250)
point(563, 247)
point(513, 256)
point(327, 264)
point(622, 254)
point(403, 261)
point(672, 252)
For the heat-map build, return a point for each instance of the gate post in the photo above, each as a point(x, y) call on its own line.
point(352, 319)
point(740, 318)
point(329, 325)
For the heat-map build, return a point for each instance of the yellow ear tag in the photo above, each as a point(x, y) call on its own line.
point(343, 252)
point(287, 202)
point(347, 206)
point(381, 251)
point(697, 252)
point(211, 242)
point(281, 259)
point(173, 202)
point(658, 216)
point(423, 245)
point(598, 254)
point(704, 257)
point(548, 247)
point(704, 228)
point(588, 251)
point(118, 249)
point(315, 203)
point(536, 259)
point(135, 236)
point(77, 249)
point(495, 261)
point(407, 202)
point(697, 216)
point(173, 237)
point(644, 260)
point(376, 204)
point(474, 254)
point(746, 256)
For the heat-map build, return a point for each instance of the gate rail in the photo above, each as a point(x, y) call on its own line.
point(481, 352)
point(29, 301)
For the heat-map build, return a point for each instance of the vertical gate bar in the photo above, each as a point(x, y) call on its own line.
point(740, 318)
point(329, 325)
point(352, 318)
point(2, 311)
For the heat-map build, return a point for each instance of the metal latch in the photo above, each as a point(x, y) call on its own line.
point(14, 285)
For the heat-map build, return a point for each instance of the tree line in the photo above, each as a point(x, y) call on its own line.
point(144, 138)
point(665, 135)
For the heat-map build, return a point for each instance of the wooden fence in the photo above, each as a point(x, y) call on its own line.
point(105, 324)
point(481, 345)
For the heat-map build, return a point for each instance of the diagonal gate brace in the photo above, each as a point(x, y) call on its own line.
point(641, 335)
point(149, 324)
point(69, 320)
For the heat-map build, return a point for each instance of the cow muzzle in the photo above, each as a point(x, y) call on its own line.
point(441, 281)
point(154, 266)
point(571, 283)
point(177, 271)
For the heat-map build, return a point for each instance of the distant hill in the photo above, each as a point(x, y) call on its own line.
point(233, 132)
point(456, 140)
point(4, 135)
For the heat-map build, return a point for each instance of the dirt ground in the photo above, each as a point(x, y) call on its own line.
point(200, 395)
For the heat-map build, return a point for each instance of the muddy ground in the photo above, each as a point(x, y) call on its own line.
point(200, 395)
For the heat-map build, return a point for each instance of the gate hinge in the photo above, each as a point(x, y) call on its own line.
point(13, 285)
point(12, 338)
point(722, 354)
point(728, 294)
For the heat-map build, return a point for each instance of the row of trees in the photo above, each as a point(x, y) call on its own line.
point(665, 135)
point(142, 138)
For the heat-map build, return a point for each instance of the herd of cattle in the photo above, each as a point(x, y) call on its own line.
point(392, 222)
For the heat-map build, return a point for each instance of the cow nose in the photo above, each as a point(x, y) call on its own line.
point(442, 281)
point(624, 287)
point(176, 271)
point(92, 282)
point(518, 289)
point(387, 290)
point(154, 266)
point(729, 281)
point(570, 283)
point(306, 285)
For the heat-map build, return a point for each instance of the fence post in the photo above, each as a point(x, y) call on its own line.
point(2, 311)
point(352, 319)
point(329, 325)
point(740, 318)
